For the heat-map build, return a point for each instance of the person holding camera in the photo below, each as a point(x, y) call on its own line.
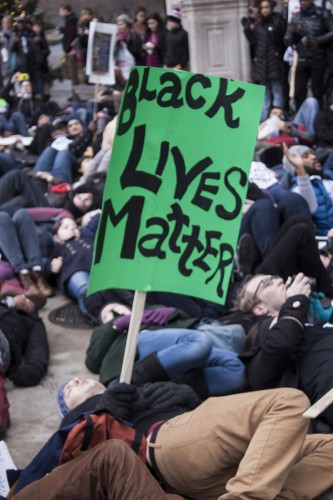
point(283, 347)
point(25, 108)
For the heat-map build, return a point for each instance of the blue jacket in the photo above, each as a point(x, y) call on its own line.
point(323, 217)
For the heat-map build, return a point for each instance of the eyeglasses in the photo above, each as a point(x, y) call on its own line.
point(264, 283)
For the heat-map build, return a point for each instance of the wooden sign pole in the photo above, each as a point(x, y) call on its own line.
point(132, 336)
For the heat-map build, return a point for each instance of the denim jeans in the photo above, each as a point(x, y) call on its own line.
point(19, 240)
point(57, 163)
point(306, 114)
point(7, 163)
point(17, 122)
point(273, 98)
point(180, 350)
point(76, 288)
point(5, 124)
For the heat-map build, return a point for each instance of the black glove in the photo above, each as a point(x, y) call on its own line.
point(28, 374)
point(118, 399)
point(164, 395)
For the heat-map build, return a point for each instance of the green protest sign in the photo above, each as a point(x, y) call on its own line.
point(176, 183)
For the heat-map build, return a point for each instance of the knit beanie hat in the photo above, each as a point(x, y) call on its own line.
point(62, 407)
point(175, 15)
point(125, 19)
point(287, 165)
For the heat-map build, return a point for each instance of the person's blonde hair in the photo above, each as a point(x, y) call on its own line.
point(245, 301)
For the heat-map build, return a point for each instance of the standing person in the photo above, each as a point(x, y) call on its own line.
point(154, 45)
point(42, 52)
point(128, 49)
point(81, 42)
point(5, 36)
point(310, 31)
point(266, 37)
point(140, 22)
point(69, 28)
point(22, 53)
point(176, 43)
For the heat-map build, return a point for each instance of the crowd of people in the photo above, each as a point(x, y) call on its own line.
point(218, 391)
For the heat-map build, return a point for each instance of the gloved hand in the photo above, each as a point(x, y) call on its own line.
point(118, 399)
point(163, 395)
point(157, 316)
point(28, 374)
point(122, 323)
point(318, 309)
point(312, 42)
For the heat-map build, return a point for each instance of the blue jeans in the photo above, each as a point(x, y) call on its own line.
point(273, 98)
point(57, 163)
point(18, 124)
point(19, 240)
point(307, 113)
point(5, 124)
point(7, 163)
point(180, 350)
point(76, 288)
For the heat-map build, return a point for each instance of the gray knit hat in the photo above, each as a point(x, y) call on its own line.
point(125, 19)
point(289, 167)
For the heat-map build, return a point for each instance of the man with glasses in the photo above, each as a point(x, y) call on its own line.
point(60, 160)
point(283, 348)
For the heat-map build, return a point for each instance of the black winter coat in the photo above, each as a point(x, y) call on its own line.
point(316, 32)
point(293, 354)
point(176, 48)
point(323, 127)
point(266, 38)
point(29, 348)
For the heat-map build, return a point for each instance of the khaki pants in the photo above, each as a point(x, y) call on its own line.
point(110, 471)
point(246, 446)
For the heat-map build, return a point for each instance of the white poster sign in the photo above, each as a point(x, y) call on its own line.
point(100, 62)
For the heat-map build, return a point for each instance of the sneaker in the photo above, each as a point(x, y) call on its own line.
point(42, 285)
point(246, 254)
point(27, 283)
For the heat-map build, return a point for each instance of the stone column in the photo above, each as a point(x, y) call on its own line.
point(217, 43)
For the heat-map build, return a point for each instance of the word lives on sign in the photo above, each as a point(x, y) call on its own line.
point(176, 184)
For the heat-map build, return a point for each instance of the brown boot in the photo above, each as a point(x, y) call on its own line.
point(27, 283)
point(4, 404)
point(43, 286)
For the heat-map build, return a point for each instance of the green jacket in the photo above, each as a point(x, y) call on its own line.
point(107, 346)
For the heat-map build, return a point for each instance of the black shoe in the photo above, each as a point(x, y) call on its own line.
point(246, 254)
point(148, 369)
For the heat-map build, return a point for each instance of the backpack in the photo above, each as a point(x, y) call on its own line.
point(95, 428)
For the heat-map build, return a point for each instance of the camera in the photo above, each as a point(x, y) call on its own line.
point(21, 77)
point(312, 282)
